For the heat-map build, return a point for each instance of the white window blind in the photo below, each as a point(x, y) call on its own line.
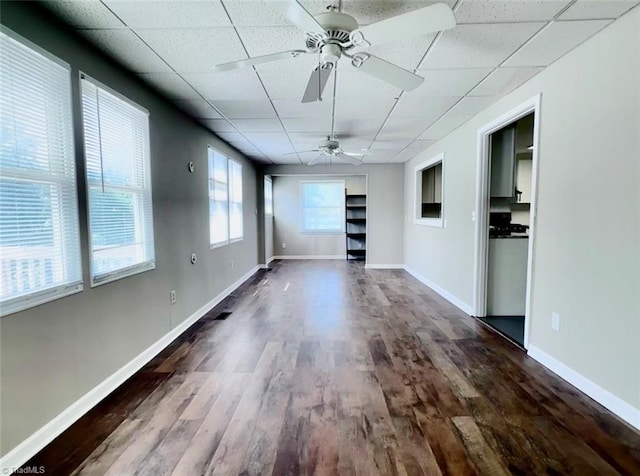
point(39, 235)
point(116, 136)
point(235, 201)
point(225, 199)
point(323, 207)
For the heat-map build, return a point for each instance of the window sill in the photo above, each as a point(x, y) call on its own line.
point(41, 297)
point(236, 240)
point(218, 245)
point(123, 273)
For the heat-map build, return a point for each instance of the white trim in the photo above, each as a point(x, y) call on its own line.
point(384, 266)
point(482, 208)
point(113, 92)
point(417, 192)
point(310, 257)
point(459, 303)
point(38, 440)
point(615, 404)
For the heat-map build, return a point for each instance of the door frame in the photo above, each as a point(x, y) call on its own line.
point(482, 207)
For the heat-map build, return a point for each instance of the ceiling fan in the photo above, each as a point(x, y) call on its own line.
point(333, 34)
point(331, 149)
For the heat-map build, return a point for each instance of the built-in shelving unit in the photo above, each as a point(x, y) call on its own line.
point(356, 226)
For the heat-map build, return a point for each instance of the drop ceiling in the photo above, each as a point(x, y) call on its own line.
point(495, 47)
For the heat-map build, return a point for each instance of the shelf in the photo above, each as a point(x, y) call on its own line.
point(356, 196)
point(358, 234)
point(356, 206)
point(359, 251)
point(358, 220)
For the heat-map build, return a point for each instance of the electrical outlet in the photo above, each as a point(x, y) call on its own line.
point(173, 296)
point(555, 321)
point(284, 245)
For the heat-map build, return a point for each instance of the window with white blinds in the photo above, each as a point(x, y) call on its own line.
point(116, 138)
point(225, 199)
point(39, 235)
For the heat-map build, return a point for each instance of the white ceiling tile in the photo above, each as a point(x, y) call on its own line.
point(270, 142)
point(379, 157)
point(239, 83)
point(371, 11)
point(258, 13)
point(444, 126)
point(356, 83)
point(86, 14)
point(554, 41)
point(406, 155)
point(404, 128)
point(245, 109)
point(355, 106)
point(233, 138)
point(194, 50)
point(267, 39)
point(492, 11)
point(128, 49)
point(288, 160)
point(449, 82)
point(503, 81)
point(170, 14)
point(597, 9)
point(430, 107)
point(320, 125)
point(470, 106)
point(396, 145)
point(421, 145)
point(219, 125)
point(197, 108)
point(295, 109)
point(363, 125)
point(171, 85)
point(478, 46)
point(258, 125)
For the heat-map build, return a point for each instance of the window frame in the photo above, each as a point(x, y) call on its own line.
point(341, 230)
point(210, 177)
point(418, 219)
point(150, 264)
point(268, 211)
point(60, 290)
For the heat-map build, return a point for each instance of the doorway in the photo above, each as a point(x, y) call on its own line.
point(505, 221)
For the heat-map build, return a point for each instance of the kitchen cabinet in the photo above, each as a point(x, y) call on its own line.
point(503, 163)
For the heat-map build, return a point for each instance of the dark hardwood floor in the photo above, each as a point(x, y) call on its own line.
point(325, 368)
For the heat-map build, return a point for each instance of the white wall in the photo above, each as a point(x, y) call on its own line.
point(287, 217)
point(54, 354)
point(587, 241)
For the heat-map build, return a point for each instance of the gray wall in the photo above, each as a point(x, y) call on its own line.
point(287, 218)
point(53, 354)
point(587, 238)
point(385, 203)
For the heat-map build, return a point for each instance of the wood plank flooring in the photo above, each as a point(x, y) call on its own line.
point(326, 368)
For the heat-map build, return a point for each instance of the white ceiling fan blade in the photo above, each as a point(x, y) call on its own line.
point(386, 71)
point(296, 14)
point(353, 154)
point(258, 60)
point(349, 159)
point(316, 84)
point(315, 160)
point(425, 20)
point(302, 152)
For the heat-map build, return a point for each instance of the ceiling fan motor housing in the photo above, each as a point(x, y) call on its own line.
point(337, 27)
point(329, 145)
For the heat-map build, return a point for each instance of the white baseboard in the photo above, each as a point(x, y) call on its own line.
point(624, 410)
point(459, 303)
point(311, 257)
point(384, 266)
point(29, 447)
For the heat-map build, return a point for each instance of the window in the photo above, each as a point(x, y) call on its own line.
point(429, 192)
point(39, 232)
point(116, 141)
point(225, 200)
point(323, 207)
point(268, 196)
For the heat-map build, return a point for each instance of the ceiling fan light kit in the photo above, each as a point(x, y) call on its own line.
point(333, 34)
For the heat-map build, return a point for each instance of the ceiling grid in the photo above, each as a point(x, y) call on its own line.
point(174, 45)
